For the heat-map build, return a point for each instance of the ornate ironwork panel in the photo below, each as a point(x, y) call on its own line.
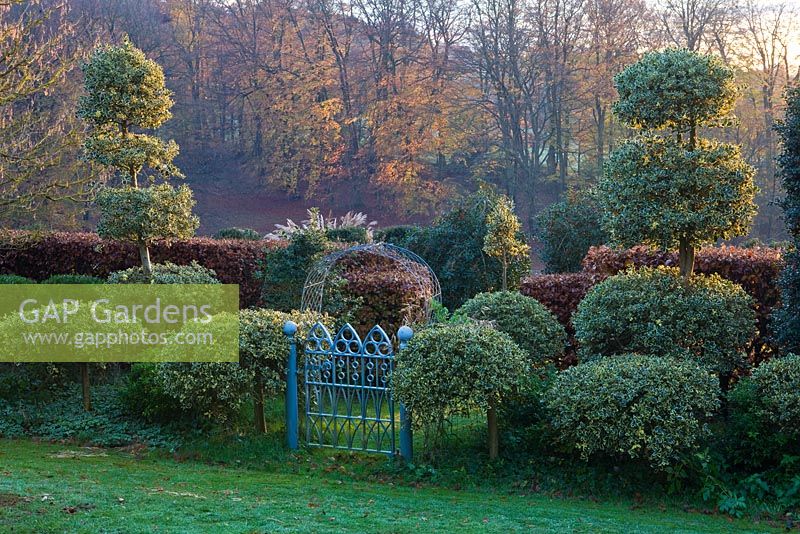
point(348, 402)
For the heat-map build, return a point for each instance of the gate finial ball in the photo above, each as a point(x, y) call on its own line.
point(289, 328)
point(405, 334)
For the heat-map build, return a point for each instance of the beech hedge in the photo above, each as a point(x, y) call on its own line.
point(41, 255)
point(560, 293)
point(388, 295)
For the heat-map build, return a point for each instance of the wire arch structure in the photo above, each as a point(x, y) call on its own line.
point(426, 285)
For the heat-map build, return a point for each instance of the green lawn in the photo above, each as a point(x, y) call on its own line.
point(53, 488)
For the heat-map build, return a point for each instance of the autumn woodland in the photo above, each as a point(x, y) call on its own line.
point(392, 107)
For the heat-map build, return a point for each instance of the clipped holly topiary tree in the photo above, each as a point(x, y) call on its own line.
point(145, 215)
point(655, 311)
point(666, 186)
point(647, 407)
point(787, 317)
point(533, 327)
point(264, 349)
point(212, 392)
point(777, 390)
point(126, 95)
point(762, 427)
point(449, 369)
point(209, 391)
point(125, 92)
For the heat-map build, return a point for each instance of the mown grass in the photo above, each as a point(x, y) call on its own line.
point(527, 472)
point(55, 488)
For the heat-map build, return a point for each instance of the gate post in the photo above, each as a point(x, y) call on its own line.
point(406, 435)
point(289, 329)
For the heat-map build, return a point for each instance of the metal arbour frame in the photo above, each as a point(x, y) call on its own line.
point(418, 270)
point(347, 394)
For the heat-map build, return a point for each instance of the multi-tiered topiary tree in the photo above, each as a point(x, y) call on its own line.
point(126, 95)
point(668, 186)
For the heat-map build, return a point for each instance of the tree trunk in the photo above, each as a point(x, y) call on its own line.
point(87, 396)
point(258, 405)
point(686, 257)
point(505, 272)
point(494, 441)
point(600, 139)
point(144, 255)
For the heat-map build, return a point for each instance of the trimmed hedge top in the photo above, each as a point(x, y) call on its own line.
point(39, 256)
point(238, 233)
point(15, 279)
point(655, 311)
point(532, 326)
point(73, 279)
point(166, 273)
point(638, 406)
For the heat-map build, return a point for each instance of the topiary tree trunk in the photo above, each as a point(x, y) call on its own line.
point(505, 271)
point(686, 257)
point(144, 256)
point(494, 435)
point(86, 387)
point(258, 403)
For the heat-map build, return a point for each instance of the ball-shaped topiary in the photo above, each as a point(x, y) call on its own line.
point(147, 214)
point(264, 346)
point(451, 368)
point(123, 86)
point(165, 273)
point(675, 88)
point(655, 311)
point(763, 422)
point(777, 383)
point(658, 193)
point(532, 326)
point(211, 390)
point(647, 407)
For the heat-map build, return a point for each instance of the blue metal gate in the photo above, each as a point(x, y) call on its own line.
point(347, 395)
